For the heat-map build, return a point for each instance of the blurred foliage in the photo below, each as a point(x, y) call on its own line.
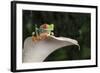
point(72, 25)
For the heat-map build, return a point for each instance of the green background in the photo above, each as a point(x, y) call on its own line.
point(67, 24)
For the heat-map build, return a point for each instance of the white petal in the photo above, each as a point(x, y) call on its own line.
point(39, 51)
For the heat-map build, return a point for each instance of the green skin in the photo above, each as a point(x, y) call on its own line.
point(39, 30)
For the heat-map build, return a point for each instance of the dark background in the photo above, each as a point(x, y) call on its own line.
point(67, 24)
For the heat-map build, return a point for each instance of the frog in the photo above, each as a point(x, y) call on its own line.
point(43, 31)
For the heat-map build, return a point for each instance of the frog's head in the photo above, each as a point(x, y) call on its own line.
point(47, 27)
